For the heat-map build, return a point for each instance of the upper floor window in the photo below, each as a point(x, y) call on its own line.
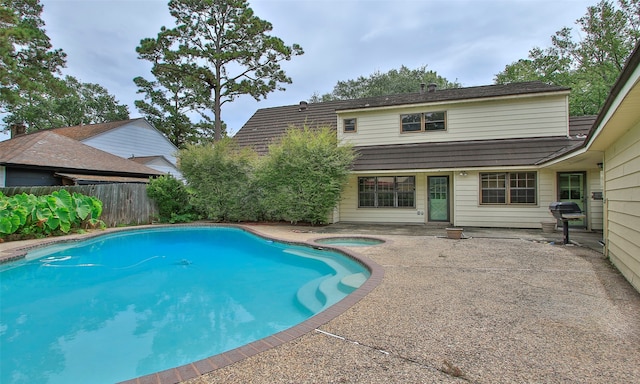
point(422, 122)
point(508, 188)
point(387, 192)
point(349, 125)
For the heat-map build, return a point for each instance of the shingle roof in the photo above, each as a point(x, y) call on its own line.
point(456, 94)
point(82, 132)
point(462, 154)
point(580, 125)
point(45, 149)
point(269, 124)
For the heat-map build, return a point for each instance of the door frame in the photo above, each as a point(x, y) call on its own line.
point(583, 198)
point(448, 185)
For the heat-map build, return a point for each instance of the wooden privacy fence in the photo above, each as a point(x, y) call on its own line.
point(122, 204)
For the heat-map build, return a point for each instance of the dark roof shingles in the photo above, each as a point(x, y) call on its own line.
point(462, 154)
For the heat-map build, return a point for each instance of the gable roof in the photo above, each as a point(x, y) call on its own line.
point(269, 124)
point(47, 150)
point(85, 131)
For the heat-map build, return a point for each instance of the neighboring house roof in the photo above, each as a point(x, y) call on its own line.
point(91, 179)
point(462, 154)
point(47, 150)
point(149, 159)
point(85, 131)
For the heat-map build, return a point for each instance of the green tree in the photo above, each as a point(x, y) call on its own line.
point(220, 46)
point(590, 65)
point(74, 103)
point(396, 81)
point(168, 103)
point(28, 63)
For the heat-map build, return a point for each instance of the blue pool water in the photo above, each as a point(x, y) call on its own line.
point(132, 303)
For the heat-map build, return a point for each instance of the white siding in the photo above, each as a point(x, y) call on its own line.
point(594, 207)
point(165, 167)
point(622, 194)
point(134, 139)
point(349, 211)
point(515, 118)
point(469, 212)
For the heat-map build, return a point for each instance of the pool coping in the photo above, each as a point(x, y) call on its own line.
point(212, 363)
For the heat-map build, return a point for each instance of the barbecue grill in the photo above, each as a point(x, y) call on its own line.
point(566, 211)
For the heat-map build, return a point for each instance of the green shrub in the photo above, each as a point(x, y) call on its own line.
point(172, 199)
point(300, 180)
point(221, 176)
point(303, 175)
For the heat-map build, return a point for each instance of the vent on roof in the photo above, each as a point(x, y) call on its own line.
point(422, 85)
point(303, 106)
point(432, 87)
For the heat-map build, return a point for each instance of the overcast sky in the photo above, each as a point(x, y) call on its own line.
point(468, 41)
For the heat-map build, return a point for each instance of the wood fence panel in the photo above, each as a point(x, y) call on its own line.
point(122, 204)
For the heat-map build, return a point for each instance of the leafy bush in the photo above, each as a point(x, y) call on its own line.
point(304, 174)
point(300, 180)
point(172, 198)
point(45, 215)
point(221, 176)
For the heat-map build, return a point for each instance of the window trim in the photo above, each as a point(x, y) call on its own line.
point(423, 122)
point(396, 191)
point(508, 188)
point(355, 125)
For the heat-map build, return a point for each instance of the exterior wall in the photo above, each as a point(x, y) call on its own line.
point(595, 208)
point(3, 176)
point(622, 204)
point(466, 209)
point(469, 212)
point(16, 177)
point(134, 139)
point(349, 211)
point(479, 120)
point(163, 166)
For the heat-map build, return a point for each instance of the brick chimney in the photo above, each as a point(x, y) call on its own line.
point(18, 129)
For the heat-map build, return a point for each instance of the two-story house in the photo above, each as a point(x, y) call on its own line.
point(477, 156)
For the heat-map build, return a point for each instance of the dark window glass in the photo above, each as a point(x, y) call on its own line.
point(386, 192)
point(349, 125)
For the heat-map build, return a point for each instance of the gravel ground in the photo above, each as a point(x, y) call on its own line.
point(479, 310)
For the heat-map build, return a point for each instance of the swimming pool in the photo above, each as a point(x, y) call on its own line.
point(131, 303)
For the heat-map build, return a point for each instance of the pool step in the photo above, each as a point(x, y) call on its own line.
point(352, 282)
point(307, 295)
point(321, 293)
